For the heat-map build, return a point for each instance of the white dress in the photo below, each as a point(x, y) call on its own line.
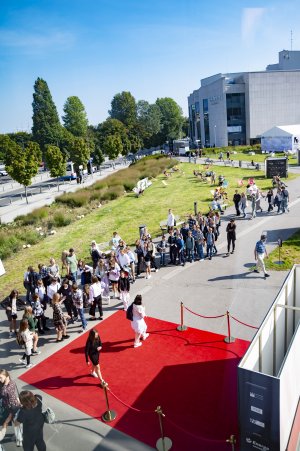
point(138, 324)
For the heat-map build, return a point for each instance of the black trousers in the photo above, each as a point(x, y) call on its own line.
point(32, 440)
point(97, 302)
point(173, 254)
point(230, 240)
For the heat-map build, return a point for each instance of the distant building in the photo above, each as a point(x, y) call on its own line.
point(236, 108)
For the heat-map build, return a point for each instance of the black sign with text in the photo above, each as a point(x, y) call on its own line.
point(276, 166)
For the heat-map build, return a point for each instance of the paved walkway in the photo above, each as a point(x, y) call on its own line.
point(208, 288)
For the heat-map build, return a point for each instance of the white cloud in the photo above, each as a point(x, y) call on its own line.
point(35, 42)
point(251, 20)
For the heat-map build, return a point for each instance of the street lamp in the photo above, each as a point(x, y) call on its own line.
point(215, 132)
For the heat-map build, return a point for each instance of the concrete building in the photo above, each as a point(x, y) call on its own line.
point(236, 108)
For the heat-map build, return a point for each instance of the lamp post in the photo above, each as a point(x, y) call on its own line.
point(215, 132)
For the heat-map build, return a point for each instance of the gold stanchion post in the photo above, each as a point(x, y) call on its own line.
point(163, 443)
point(181, 327)
point(229, 338)
point(232, 441)
point(109, 415)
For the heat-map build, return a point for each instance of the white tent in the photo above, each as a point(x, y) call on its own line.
point(281, 138)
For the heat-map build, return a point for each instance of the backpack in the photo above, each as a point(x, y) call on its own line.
point(19, 339)
point(129, 313)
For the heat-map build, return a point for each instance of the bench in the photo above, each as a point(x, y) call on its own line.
point(141, 186)
point(163, 224)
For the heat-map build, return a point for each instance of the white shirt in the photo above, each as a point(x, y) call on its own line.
point(170, 220)
point(52, 288)
point(95, 291)
point(123, 260)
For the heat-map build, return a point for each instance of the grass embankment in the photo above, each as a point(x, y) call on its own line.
point(244, 156)
point(125, 215)
point(289, 254)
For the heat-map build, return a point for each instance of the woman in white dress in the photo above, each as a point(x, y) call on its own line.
point(138, 323)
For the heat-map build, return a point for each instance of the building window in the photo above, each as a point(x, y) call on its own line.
point(206, 123)
point(236, 118)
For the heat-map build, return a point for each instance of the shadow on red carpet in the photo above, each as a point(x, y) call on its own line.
point(191, 374)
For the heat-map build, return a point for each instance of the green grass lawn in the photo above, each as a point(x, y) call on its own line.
point(289, 254)
point(257, 158)
point(125, 215)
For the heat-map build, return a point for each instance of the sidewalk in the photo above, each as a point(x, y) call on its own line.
point(20, 207)
point(208, 288)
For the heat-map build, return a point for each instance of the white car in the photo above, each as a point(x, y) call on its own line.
point(3, 172)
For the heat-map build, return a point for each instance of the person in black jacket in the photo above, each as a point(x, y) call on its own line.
point(66, 293)
point(93, 347)
point(173, 247)
point(33, 421)
point(231, 235)
point(237, 200)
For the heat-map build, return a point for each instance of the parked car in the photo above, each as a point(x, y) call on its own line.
point(3, 172)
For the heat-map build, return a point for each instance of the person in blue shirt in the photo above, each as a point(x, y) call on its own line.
point(180, 249)
point(260, 252)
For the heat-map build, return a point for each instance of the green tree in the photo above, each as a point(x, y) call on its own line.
point(23, 164)
point(21, 138)
point(113, 127)
point(148, 121)
point(123, 108)
point(6, 146)
point(135, 142)
point(66, 142)
point(112, 146)
point(46, 128)
point(75, 118)
point(80, 153)
point(171, 119)
point(98, 157)
point(56, 162)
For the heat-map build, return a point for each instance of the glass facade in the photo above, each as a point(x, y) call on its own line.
point(206, 123)
point(236, 118)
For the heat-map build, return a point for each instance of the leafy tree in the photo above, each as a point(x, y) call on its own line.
point(56, 162)
point(135, 142)
point(75, 118)
point(6, 146)
point(113, 127)
point(171, 120)
point(112, 146)
point(123, 108)
point(148, 120)
point(23, 164)
point(98, 157)
point(46, 128)
point(185, 127)
point(66, 142)
point(80, 153)
point(21, 138)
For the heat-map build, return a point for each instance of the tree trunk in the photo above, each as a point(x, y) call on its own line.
point(26, 194)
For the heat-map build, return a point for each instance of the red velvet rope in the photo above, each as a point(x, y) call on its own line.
point(202, 316)
point(203, 439)
point(244, 324)
point(127, 405)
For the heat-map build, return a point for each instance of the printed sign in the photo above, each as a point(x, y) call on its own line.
point(276, 166)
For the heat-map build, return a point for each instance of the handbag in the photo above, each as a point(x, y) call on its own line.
point(49, 415)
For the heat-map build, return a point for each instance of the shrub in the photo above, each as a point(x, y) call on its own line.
point(60, 220)
point(113, 193)
point(9, 244)
point(78, 199)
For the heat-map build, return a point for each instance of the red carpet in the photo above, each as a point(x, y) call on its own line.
point(191, 374)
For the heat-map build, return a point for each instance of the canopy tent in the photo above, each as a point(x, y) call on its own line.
point(282, 138)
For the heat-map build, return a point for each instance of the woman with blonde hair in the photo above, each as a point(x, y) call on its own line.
point(10, 402)
point(138, 323)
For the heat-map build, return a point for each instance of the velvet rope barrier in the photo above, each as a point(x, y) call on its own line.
point(244, 324)
point(127, 405)
point(197, 437)
point(202, 316)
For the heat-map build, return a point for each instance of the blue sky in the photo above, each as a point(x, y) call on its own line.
point(94, 49)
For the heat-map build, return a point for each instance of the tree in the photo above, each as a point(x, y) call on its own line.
point(171, 120)
point(148, 119)
point(113, 127)
point(75, 118)
point(112, 146)
point(23, 164)
point(21, 138)
point(66, 142)
point(46, 128)
point(123, 108)
point(80, 153)
point(6, 146)
point(135, 142)
point(56, 162)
